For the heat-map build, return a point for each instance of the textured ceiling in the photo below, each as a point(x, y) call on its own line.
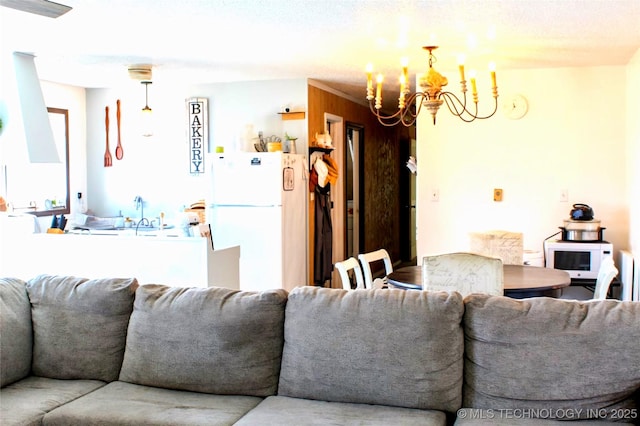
point(199, 41)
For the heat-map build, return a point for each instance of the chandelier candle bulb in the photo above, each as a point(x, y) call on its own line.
point(369, 70)
point(379, 92)
point(461, 67)
point(405, 72)
point(492, 69)
point(474, 88)
point(403, 82)
point(402, 92)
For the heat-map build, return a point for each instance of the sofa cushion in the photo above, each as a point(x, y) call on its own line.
point(211, 340)
point(120, 404)
point(282, 410)
point(79, 326)
point(386, 347)
point(16, 331)
point(27, 401)
point(557, 355)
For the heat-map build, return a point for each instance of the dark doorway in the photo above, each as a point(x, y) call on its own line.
point(407, 198)
point(354, 190)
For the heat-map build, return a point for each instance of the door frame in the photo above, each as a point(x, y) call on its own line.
point(407, 201)
point(358, 185)
point(334, 124)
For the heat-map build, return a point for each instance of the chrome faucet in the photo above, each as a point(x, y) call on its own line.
point(143, 222)
point(139, 205)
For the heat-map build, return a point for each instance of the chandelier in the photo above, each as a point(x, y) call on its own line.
point(431, 97)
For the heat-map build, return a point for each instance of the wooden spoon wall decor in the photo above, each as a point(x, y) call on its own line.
point(119, 152)
point(108, 162)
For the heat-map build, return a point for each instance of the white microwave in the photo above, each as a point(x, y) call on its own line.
point(580, 259)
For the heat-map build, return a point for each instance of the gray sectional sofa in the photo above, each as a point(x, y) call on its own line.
point(75, 351)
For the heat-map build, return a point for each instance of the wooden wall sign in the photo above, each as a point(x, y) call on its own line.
point(198, 130)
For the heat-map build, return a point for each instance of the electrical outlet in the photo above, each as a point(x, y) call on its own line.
point(435, 195)
point(564, 195)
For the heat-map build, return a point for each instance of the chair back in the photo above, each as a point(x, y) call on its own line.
point(465, 273)
point(343, 269)
point(606, 274)
point(366, 259)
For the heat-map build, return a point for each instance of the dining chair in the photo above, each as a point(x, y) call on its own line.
point(350, 264)
point(463, 272)
point(606, 274)
point(366, 259)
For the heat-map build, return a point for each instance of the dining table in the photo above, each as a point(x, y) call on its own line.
point(520, 281)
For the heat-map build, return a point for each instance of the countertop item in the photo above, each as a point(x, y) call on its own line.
point(581, 212)
point(582, 230)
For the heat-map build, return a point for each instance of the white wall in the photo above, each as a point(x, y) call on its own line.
point(157, 168)
point(56, 96)
point(633, 150)
point(73, 99)
point(573, 138)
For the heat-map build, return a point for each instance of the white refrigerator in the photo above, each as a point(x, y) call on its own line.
point(258, 202)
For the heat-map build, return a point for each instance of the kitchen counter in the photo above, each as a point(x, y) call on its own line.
point(176, 261)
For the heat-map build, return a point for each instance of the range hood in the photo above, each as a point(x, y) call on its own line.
point(41, 145)
point(39, 7)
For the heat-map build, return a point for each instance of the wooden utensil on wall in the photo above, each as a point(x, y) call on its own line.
point(119, 152)
point(107, 154)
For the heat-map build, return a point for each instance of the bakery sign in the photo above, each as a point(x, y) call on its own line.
point(198, 130)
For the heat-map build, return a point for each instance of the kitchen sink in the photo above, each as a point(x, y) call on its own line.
point(142, 231)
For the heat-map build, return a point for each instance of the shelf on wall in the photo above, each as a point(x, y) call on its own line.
point(319, 148)
point(295, 115)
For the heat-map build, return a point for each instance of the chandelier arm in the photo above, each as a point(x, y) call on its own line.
point(394, 119)
point(462, 114)
point(495, 108)
point(453, 102)
point(377, 112)
point(410, 103)
point(449, 100)
point(412, 118)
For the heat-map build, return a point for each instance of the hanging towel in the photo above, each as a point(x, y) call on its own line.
point(322, 169)
point(332, 169)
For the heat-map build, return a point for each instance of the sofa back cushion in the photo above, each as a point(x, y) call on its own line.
point(388, 347)
point(560, 356)
point(16, 331)
point(79, 326)
point(211, 340)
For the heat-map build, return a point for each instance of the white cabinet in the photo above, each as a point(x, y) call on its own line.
point(174, 261)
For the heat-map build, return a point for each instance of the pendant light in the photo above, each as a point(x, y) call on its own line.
point(143, 74)
point(147, 113)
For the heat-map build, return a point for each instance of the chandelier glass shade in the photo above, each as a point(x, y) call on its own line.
point(431, 97)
